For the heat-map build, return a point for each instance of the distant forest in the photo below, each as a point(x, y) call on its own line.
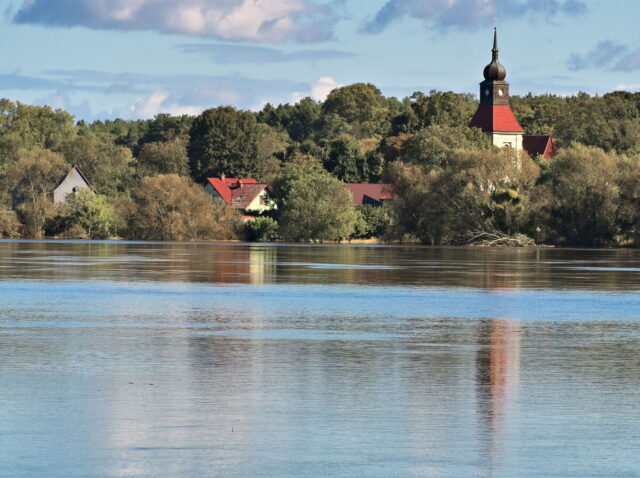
point(451, 185)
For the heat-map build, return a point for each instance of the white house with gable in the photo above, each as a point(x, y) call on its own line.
point(72, 182)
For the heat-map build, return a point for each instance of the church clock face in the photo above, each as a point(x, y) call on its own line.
point(486, 92)
point(500, 92)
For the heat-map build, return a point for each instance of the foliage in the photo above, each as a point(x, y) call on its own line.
point(163, 157)
point(628, 214)
point(227, 141)
point(9, 224)
point(107, 165)
point(313, 205)
point(373, 221)
point(362, 106)
point(261, 229)
point(443, 205)
point(578, 203)
point(88, 213)
point(168, 207)
point(34, 176)
point(436, 146)
point(435, 109)
point(452, 185)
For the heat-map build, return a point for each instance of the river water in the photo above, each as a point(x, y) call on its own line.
point(238, 360)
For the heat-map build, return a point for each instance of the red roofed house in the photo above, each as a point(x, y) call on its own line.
point(494, 115)
point(544, 146)
point(244, 194)
point(372, 194)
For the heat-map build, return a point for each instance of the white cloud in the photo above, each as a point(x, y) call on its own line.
point(628, 87)
point(321, 89)
point(232, 20)
point(156, 103)
point(318, 90)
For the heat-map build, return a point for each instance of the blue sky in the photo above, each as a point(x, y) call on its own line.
point(135, 58)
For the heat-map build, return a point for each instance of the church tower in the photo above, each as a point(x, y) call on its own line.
point(494, 115)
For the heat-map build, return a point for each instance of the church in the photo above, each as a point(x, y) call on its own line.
point(495, 118)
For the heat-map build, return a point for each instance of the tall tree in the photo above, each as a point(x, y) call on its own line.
point(313, 205)
point(108, 167)
point(163, 157)
point(582, 194)
point(34, 177)
point(363, 106)
point(224, 141)
point(168, 207)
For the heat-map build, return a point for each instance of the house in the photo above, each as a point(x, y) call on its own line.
point(368, 193)
point(244, 194)
point(495, 117)
point(71, 183)
point(543, 145)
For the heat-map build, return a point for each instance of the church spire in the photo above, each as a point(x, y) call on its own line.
point(494, 71)
point(494, 114)
point(495, 43)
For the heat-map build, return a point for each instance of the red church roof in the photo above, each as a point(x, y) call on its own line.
point(544, 146)
point(497, 118)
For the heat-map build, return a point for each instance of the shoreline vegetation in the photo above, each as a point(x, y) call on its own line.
point(451, 187)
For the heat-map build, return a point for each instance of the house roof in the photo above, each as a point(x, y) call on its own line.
point(544, 146)
point(241, 197)
point(238, 193)
point(221, 188)
point(79, 171)
point(498, 118)
point(232, 181)
point(377, 192)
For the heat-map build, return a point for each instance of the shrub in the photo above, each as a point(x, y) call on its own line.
point(261, 229)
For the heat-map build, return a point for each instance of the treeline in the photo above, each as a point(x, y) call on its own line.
point(451, 185)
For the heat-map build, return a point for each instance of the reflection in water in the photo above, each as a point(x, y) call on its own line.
point(498, 367)
point(254, 360)
point(493, 269)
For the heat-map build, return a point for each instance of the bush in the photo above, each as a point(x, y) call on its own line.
point(90, 213)
point(261, 229)
point(373, 222)
point(9, 224)
point(169, 207)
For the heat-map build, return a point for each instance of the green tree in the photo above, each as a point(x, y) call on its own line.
point(438, 108)
point(435, 146)
point(224, 141)
point(582, 194)
point(375, 222)
point(164, 157)
point(345, 161)
point(261, 229)
point(91, 212)
point(169, 207)
point(363, 106)
point(34, 177)
point(454, 203)
point(9, 224)
point(108, 167)
point(628, 215)
point(315, 207)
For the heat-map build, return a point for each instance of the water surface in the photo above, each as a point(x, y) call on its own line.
point(237, 360)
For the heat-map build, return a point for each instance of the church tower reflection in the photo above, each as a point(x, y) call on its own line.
point(497, 381)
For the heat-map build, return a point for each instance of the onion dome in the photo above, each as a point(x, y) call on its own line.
point(494, 71)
